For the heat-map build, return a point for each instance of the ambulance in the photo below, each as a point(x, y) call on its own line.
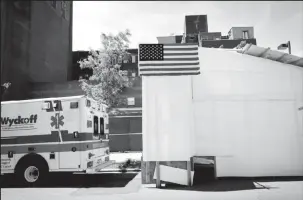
point(68, 134)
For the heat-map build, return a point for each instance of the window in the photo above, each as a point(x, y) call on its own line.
point(133, 59)
point(115, 61)
point(131, 101)
point(101, 126)
point(119, 60)
point(124, 73)
point(54, 4)
point(64, 9)
point(96, 127)
point(245, 34)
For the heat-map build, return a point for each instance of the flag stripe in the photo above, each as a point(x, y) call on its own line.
point(181, 54)
point(181, 49)
point(168, 64)
point(171, 69)
point(180, 59)
point(185, 44)
point(173, 66)
point(168, 61)
point(172, 74)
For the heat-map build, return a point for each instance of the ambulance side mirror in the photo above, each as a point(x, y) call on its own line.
point(76, 134)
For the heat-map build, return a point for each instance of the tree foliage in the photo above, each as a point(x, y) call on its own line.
point(107, 81)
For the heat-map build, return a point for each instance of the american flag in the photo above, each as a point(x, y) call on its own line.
point(168, 59)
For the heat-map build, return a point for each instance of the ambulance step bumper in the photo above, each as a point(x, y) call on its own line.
point(99, 167)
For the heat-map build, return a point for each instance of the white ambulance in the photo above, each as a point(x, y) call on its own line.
point(68, 134)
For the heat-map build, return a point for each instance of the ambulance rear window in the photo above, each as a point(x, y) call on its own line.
point(101, 126)
point(96, 126)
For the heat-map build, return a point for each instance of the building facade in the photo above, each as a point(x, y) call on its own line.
point(241, 33)
point(196, 31)
point(36, 45)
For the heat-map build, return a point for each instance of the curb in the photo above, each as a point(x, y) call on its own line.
point(121, 171)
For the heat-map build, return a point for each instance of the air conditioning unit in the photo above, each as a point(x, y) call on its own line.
point(131, 101)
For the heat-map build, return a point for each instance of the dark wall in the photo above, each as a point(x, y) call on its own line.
point(211, 35)
point(51, 51)
point(15, 45)
point(191, 26)
point(121, 134)
point(134, 91)
point(76, 70)
point(229, 44)
point(125, 142)
point(35, 45)
point(125, 125)
point(179, 39)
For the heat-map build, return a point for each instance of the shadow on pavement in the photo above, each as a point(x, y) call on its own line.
point(218, 186)
point(233, 184)
point(67, 180)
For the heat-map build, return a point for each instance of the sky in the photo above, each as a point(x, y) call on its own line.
point(274, 22)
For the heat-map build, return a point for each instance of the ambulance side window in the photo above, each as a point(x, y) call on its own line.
point(101, 126)
point(96, 126)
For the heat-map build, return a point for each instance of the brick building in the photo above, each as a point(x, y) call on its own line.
point(36, 45)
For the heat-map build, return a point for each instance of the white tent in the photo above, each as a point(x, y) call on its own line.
point(243, 109)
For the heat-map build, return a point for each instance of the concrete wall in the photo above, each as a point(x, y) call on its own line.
point(35, 45)
point(246, 114)
point(15, 44)
point(47, 90)
point(210, 36)
point(227, 44)
point(167, 40)
point(50, 49)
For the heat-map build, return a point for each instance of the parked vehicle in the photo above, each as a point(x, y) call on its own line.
point(68, 134)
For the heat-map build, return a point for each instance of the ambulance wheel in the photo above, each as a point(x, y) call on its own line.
point(31, 174)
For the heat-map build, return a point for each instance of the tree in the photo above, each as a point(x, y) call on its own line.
point(107, 81)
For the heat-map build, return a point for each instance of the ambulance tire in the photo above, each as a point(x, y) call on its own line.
point(32, 172)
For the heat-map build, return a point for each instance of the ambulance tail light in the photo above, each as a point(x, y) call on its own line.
point(10, 154)
point(74, 105)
